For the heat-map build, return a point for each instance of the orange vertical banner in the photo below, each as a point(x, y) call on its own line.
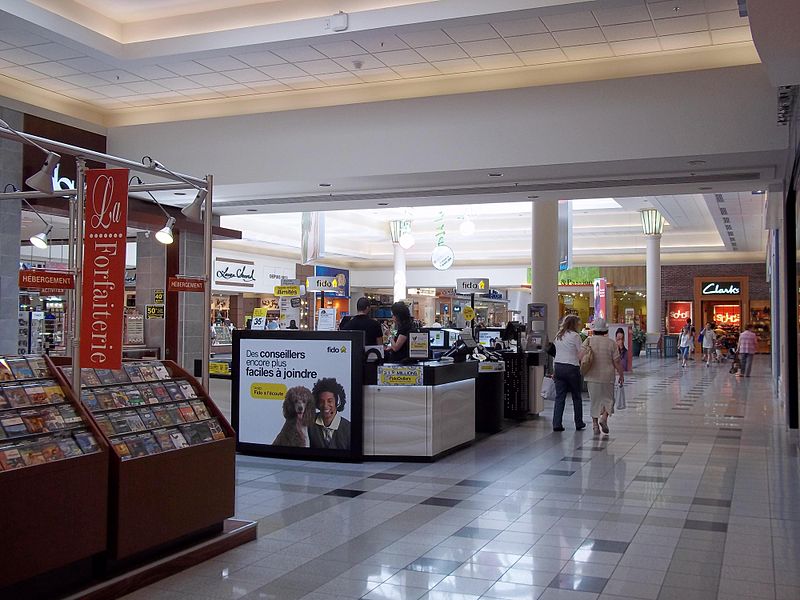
point(104, 239)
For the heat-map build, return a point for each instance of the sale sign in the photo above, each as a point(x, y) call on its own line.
point(105, 235)
point(677, 313)
point(728, 314)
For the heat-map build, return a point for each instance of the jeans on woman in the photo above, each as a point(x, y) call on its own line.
point(567, 379)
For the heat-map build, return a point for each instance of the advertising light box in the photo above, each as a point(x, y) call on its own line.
point(298, 393)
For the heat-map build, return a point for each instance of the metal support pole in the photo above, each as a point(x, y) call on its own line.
point(472, 305)
point(80, 185)
point(69, 313)
point(207, 222)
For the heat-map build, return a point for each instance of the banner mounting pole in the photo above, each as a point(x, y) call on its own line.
point(78, 304)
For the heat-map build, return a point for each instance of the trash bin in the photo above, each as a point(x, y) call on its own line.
point(670, 346)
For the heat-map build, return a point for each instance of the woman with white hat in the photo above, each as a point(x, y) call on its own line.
point(600, 376)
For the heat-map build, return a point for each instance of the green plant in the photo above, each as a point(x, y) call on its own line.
point(639, 336)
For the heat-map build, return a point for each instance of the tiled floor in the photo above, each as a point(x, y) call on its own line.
point(693, 496)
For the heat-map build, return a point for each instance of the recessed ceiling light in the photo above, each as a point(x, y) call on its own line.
point(757, 192)
point(696, 163)
point(252, 210)
point(324, 185)
point(180, 193)
point(532, 197)
point(495, 174)
point(705, 188)
point(383, 204)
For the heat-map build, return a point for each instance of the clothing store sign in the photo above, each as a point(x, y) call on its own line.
point(724, 288)
point(105, 237)
point(232, 272)
point(677, 313)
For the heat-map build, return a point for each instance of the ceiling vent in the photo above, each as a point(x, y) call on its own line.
point(787, 97)
point(720, 198)
point(723, 210)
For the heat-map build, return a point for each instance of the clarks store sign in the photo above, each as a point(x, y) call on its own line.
point(725, 288)
point(232, 272)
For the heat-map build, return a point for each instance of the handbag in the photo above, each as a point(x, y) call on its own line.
point(548, 388)
point(588, 357)
point(619, 398)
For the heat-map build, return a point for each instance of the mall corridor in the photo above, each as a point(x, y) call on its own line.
point(693, 496)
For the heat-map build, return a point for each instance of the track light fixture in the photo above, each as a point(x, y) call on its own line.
point(41, 239)
point(163, 235)
point(194, 210)
point(42, 180)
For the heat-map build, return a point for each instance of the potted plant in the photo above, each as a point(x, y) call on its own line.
point(639, 340)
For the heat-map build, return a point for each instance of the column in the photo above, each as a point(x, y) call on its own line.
point(192, 305)
point(400, 287)
point(151, 275)
point(545, 259)
point(654, 316)
point(11, 168)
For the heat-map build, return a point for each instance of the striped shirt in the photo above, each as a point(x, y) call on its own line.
point(748, 342)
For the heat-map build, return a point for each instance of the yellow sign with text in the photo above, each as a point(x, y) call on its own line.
point(286, 291)
point(267, 391)
point(260, 312)
point(219, 368)
point(469, 313)
point(154, 311)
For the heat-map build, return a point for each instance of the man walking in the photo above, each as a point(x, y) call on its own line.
point(748, 344)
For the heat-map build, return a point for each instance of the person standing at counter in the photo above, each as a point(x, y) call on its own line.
point(330, 430)
point(567, 376)
point(398, 345)
point(373, 334)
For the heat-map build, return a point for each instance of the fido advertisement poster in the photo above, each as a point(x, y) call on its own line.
point(298, 393)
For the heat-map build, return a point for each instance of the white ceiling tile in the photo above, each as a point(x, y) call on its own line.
point(113, 91)
point(486, 47)
point(425, 37)
point(345, 78)
point(82, 94)
point(56, 85)
point(399, 57)
point(221, 63)
point(538, 41)
point(22, 73)
point(118, 76)
point(732, 35)
point(21, 57)
point(664, 10)
point(55, 51)
point(624, 14)
point(588, 52)
point(446, 52)
point(374, 75)
point(681, 25)
point(298, 53)
point(84, 80)
point(642, 46)
point(247, 75)
point(303, 83)
point(151, 72)
point(360, 62)
point(420, 70)
point(339, 49)
point(499, 61)
point(575, 20)
point(285, 71)
point(462, 65)
point(149, 87)
point(179, 83)
point(519, 27)
point(87, 65)
point(4, 46)
point(211, 79)
point(320, 67)
point(379, 42)
point(714, 5)
point(472, 33)
point(5, 63)
point(725, 19)
point(233, 91)
point(110, 103)
point(201, 94)
point(268, 87)
point(579, 37)
point(685, 40)
point(19, 37)
point(260, 59)
point(54, 69)
point(542, 57)
point(629, 31)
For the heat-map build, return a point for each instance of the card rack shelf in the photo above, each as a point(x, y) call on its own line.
point(159, 499)
point(54, 512)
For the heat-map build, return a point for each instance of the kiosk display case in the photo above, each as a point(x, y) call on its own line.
point(53, 473)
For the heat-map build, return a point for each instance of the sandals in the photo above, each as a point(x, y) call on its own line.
point(603, 425)
point(596, 429)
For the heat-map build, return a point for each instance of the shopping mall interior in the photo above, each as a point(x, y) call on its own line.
point(261, 165)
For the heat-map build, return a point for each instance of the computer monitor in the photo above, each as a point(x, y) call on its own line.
point(485, 337)
point(438, 338)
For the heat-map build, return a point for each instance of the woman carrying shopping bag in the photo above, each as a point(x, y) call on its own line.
point(600, 375)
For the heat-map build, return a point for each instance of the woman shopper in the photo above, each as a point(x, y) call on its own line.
point(600, 376)
point(685, 341)
point(567, 372)
point(398, 345)
point(709, 343)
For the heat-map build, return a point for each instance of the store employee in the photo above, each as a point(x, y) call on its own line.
point(398, 345)
point(373, 334)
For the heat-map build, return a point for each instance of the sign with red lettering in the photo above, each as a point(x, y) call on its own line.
point(105, 235)
point(728, 314)
point(39, 279)
point(186, 284)
point(677, 313)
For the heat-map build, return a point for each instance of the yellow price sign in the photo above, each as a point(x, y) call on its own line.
point(219, 368)
point(286, 291)
point(469, 313)
point(260, 312)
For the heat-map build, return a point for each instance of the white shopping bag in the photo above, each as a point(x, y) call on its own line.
point(548, 388)
point(619, 397)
